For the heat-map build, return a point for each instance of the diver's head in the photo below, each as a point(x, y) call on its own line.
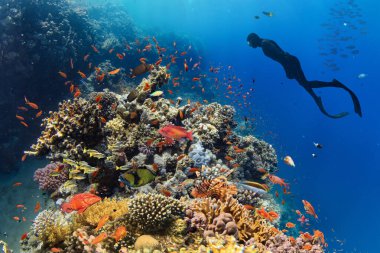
point(254, 40)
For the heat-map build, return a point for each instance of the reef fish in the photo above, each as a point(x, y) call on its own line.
point(140, 69)
point(102, 221)
point(157, 93)
point(93, 153)
point(120, 233)
point(80, 202)
point(99, 238)
point(309, 208)
point(289, 161)
point(175, 132)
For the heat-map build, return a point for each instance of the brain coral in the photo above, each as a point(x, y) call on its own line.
point(153, 212)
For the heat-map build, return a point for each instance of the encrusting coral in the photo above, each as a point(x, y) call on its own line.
point(248, 226)
point(115, 208)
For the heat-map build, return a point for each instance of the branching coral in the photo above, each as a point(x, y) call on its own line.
point(76, 122)
point(109, 206)
point(154, 212)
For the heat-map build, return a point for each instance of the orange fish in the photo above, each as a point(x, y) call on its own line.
point(192, 170)
point(20, 206)
point(309, 208)
point(183, 53)
point(37, 207)
point(166, 192)
point(23, 237)
point(120, 56)
point(38, 114)
point(170, 91)
point(110, 51)
point(99, 238)
point(55, 250)
point(143, 60)
point(292, 240)
point(307, 246)
point(155, 166)
point(319, 235)
point(77, 93)
point(23, 158)
point(249, 207)
point(290, 225)
point(175, 132)
point(120, 233)
point(22, 108)
point(100, 78)
point(195, 79)
point(24, 124)
point(306, 236)
point(180, 112)
point(103, 120)
point(102, 221)
point(298, 212)
point(273, 215)
point(185, 66)
point(80, 202)
point(228, 158)
point(114, 72)
point(158, 62)
point(95, 49)
point(63, 74)
point(16, 218)
point(19, 117)
point(98, 98)
point(86, 57)
point(83, 75)
point(17, 184)
point(277, 180)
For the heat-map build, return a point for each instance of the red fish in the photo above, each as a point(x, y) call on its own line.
point(17, 184)
point(120, 233)
point(37, 207)
point(175, 132)
point(20, 117)
point(186, 67)
point(95, 49)
point(277, 180)
point(158, 62)
point(77, 93)
point(102, 221)
point(99, 238)
point(195, 79)
point(63, 74)
point(309, 208)
point(24, 124)
point(23, 237)
point(38, 114)
point(114, 72)
point(80, 202)
point(83, 75)
point(98, 98)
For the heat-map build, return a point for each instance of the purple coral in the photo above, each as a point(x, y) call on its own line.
point(281, 243)
point(47, 181)
point(146, 150)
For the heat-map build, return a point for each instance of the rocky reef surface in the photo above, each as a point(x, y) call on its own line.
point(136, 172)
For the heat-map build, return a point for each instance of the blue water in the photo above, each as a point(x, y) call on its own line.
point(342, 181)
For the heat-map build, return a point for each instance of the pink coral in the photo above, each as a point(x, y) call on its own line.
point(282, 243)
point(47, 181)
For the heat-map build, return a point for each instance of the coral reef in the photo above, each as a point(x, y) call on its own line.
point(153, 212)
point(113, 207)
point(146, 242)
point(75, 124)
point(248, 226)
point(51, 227)
point(51, 177)
point(199, 155)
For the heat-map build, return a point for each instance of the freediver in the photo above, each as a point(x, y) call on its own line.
point(293, 70)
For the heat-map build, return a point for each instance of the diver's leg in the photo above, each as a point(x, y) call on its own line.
point(336, 84)
point(318, 101)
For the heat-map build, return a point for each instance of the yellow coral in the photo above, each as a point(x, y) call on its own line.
point(248, 226)
point(109, 206)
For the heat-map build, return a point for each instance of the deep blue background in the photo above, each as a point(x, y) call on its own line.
point(343, 181)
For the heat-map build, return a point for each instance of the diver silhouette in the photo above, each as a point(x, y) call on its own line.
point(293, 70)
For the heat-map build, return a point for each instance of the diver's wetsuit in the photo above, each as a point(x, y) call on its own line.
point(293, 70)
